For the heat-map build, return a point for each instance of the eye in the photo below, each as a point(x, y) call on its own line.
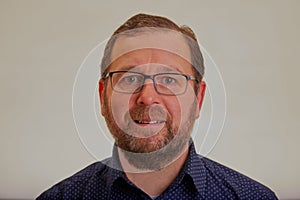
point(130, 79)
point(168, 80)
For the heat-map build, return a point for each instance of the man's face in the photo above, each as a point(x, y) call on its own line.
point(146, 121)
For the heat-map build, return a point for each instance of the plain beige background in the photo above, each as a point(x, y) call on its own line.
point(254, 43)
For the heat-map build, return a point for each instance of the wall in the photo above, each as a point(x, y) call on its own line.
point(254, 43)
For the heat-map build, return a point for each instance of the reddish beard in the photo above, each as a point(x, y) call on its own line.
point(137, 139)
point(148, 113)
point(156, 151)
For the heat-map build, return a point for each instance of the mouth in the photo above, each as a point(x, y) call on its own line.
point(149, 122)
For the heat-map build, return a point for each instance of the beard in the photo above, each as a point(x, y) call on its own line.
point(150, 149)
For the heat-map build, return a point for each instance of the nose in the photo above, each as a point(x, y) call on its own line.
point(148, 95)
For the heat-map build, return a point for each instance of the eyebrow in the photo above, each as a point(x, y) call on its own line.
point(159, 67)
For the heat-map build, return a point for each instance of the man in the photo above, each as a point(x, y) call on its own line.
point(151, 92)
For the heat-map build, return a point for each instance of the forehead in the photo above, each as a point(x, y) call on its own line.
point(166, 48)
point(151, 60)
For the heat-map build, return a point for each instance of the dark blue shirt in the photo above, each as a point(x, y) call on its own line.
point(200, 178)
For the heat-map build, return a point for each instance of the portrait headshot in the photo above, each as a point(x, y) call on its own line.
point(151, 92)
point(146, 101)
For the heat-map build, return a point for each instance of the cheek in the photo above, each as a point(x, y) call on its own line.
point(120, 105)
point(186, 103)
point(174, 107)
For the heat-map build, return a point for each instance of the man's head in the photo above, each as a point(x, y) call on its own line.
point(143, 23)
point(151, 89)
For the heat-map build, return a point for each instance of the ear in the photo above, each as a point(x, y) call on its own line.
point(101, 91)
point(200, 97)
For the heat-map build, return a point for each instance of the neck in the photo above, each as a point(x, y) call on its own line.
point(153, 182)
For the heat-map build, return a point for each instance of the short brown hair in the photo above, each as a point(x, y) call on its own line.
point(152, 21)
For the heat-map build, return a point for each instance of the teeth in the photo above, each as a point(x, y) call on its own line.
point(154, 122)
point(148, 122)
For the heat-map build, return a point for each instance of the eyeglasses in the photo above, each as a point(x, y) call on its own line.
point(171, 84)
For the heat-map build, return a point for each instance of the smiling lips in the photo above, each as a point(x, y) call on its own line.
point(148, 115)
point(151, 122)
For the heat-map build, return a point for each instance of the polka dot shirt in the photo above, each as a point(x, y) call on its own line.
point(200, 178)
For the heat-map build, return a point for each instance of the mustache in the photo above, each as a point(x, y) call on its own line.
point(150, 113)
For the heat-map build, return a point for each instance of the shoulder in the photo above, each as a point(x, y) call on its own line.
point(73, 186)
point(234, 182)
